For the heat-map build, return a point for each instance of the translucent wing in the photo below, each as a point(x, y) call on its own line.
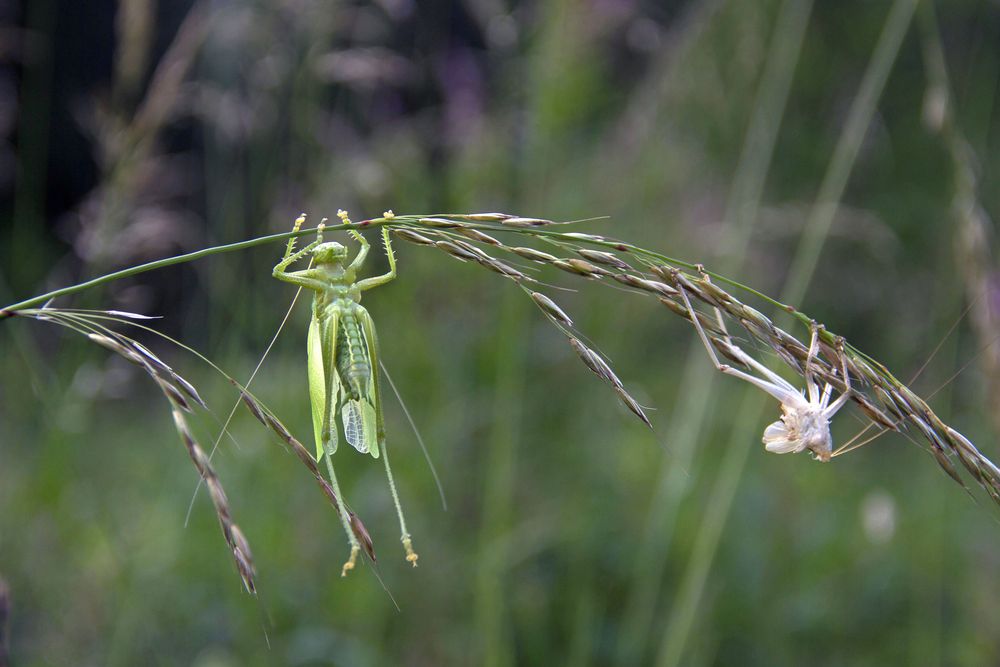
point(358, 416)
point(375, 391)
point(362, 417)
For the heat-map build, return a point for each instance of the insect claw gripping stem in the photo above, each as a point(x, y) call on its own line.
point(411, 555)
point(349, 565)
point(295, 227)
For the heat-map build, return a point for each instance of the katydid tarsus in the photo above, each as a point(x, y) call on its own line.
point(343, 359)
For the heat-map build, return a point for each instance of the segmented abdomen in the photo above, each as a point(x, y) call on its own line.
point(353, 362)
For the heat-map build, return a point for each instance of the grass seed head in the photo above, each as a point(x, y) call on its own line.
point(525, 222)
point(360, 532)
point(601, 257)
point(487, 217)
point(535, 255)
point(440, 223)
point(254, 407)
point(456, 251)
point(632, 405)
point(580, 268)
point(551, 309)
point(594, 362)
point(412, 236)
point(477, 235)
point(173, 394)
point(505, 270)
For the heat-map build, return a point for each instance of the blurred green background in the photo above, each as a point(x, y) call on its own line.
point(719, 132)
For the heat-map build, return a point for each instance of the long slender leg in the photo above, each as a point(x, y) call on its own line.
point(372, 338)
point(289, 258)
point(813, 347)
point(368, 283)
point(411, 555)
point(344, 518)
point(743, 356)
point(842, 399)
point(359, 260)
point(296, 226)
point(779, 389)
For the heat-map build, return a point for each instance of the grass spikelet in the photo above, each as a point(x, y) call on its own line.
point(534, 255)
point(594, 362)
point(456, 251)
point(230, 531)
point(413, 237)
point(477, 235)
point(360, 532)
point(601, 257)
point(581, 268)
point(632, 405)
point(551, 309)
point(525, 222)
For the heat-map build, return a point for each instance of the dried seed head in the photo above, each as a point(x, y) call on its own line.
point(550, 308)
point(234, 537)
point(114, 346)
point(947, 465)
point(652, 286)
point(595, 363)
point(440, 223)
point(487, 217)
point(756, 318)
point(455, 251)
point(361, 533)
point(244, 558)
point(601, 257)
point(254, 407)
point(535, 255)
point(278, 428)
point(189, 389)
point(715, 295)
point(525, 222)
point(627, 279)
point(590, 237)
point(505, 270)
point(874, 413)
point(477, 235)
point(154, 360)
point(664, 272)
point(412, 237)
point(580, 268)
point(886, 399)
point(632, 405)
point(472, 250)
point(173, 394)
point(963, 444)
point(678, 308)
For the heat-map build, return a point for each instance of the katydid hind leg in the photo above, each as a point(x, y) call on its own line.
point(368, 327)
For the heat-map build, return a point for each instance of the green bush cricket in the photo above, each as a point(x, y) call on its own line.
point(343, 359)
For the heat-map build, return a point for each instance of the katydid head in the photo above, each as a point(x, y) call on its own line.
point(330, 252)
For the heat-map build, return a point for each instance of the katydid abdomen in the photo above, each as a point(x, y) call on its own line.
point(353, 358)
point(352, 366)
